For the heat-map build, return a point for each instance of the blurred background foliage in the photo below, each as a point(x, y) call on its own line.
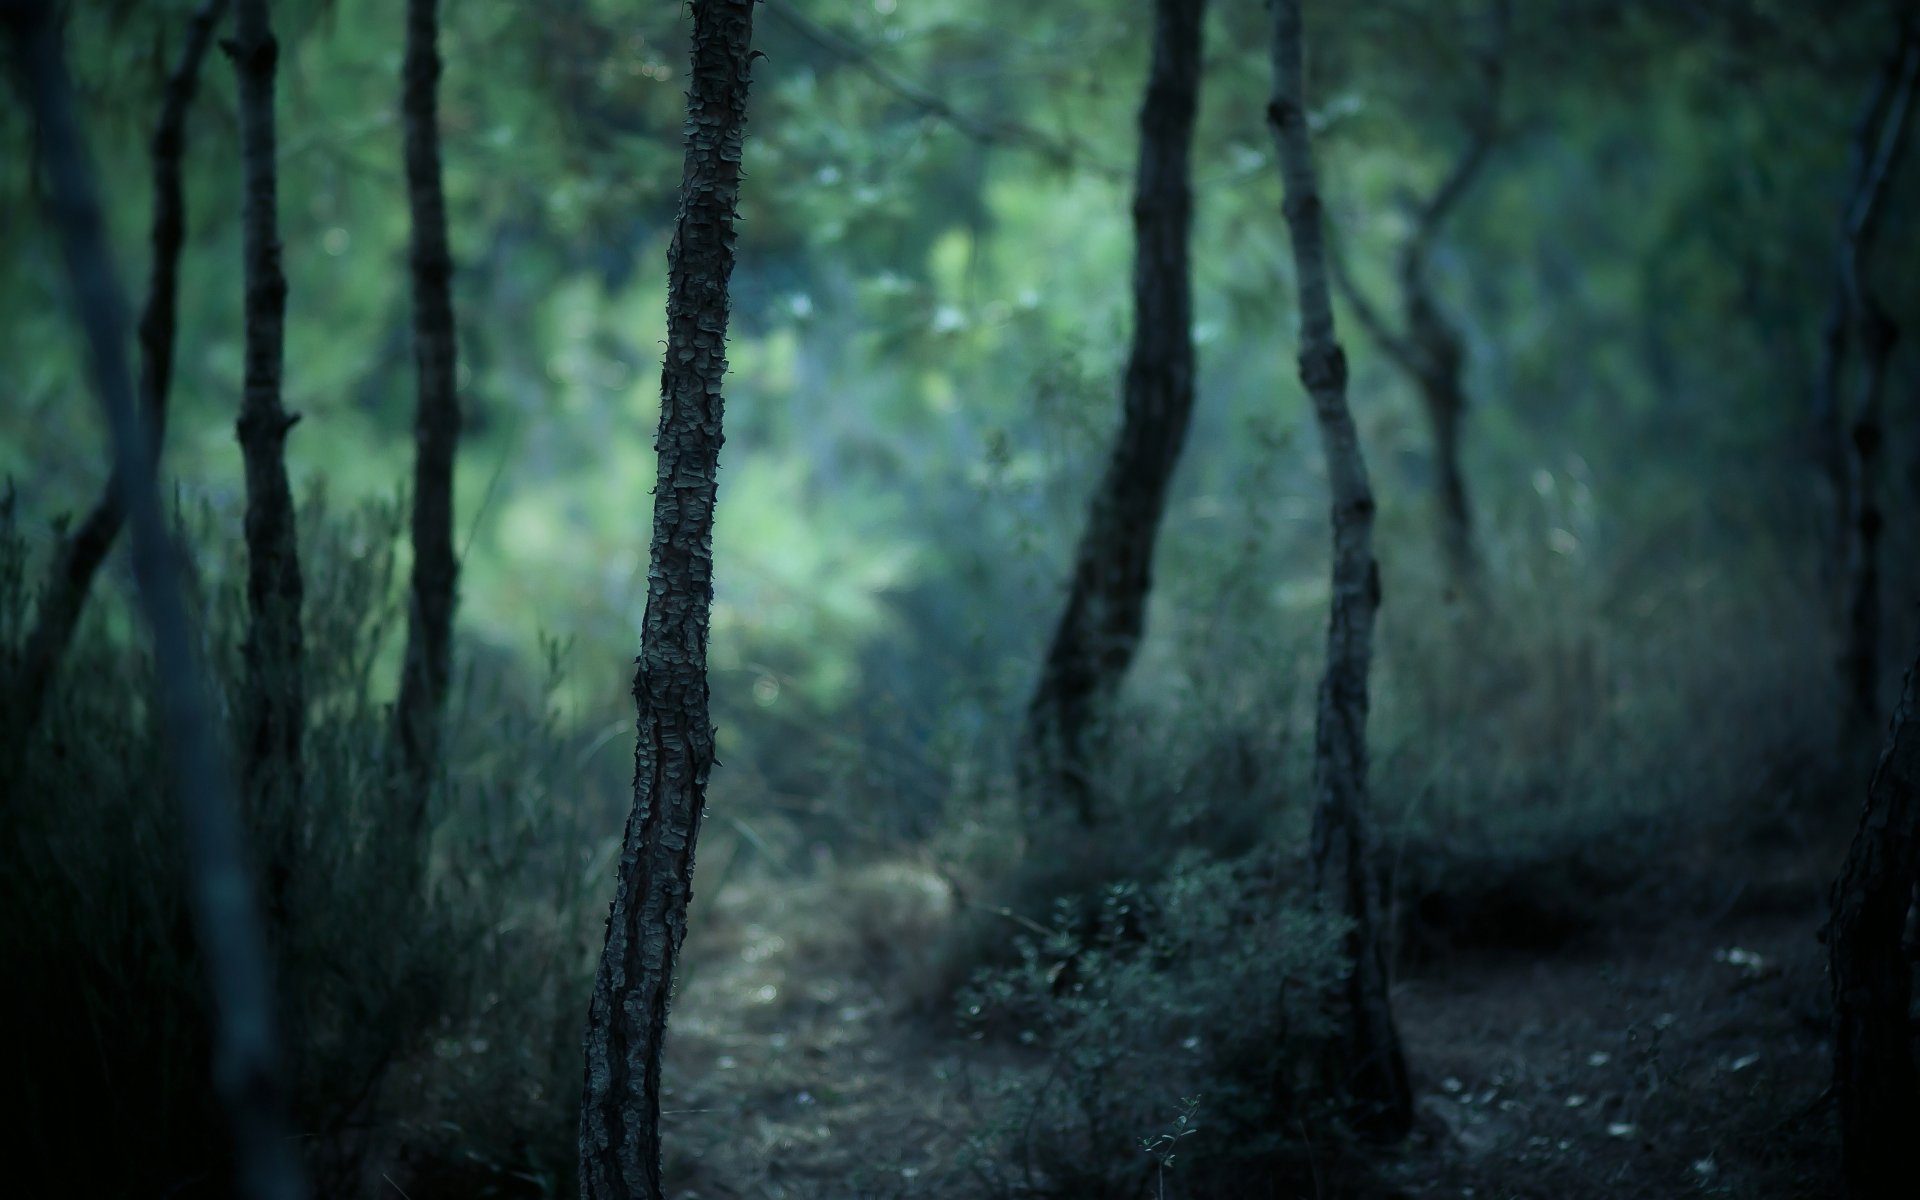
point(930, 318)
point(931, 311)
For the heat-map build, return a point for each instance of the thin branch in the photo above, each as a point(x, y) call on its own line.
point(1061, 152)
point(1384, 335)
point(1863, 216)
point(1859, 205)
point(1483, 130)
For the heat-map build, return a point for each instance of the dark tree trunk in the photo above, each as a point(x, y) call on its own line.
point(1870, 973)
point(1430, 351)
point(1865, 442)
point(1372, 1070)
point(1113, 566)
point(627, 1018)
point(273, 704)
point(419, 712)
point(1443, 395)
point(1866, 427)
point(81, 553)
point(1860, 202)
point(246, 1065)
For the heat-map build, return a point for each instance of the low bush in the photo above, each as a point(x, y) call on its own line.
point(390, 1003)
point(1178, 1027)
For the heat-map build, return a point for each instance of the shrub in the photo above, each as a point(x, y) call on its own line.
point(1204, 996)
point(372, 981)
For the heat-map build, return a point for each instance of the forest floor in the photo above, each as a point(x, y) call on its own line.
point(1680, 1052)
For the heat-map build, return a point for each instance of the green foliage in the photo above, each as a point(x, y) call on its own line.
point(930, 325)
point(374, 983)
point(1208, 984)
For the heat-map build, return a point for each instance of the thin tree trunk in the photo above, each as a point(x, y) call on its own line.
point(1372, 1071)
point(1106, 607)
point(1876, 334)
point(81, 553)
point(627, 1018)
point(419, 712)
point(1861, 198)
point(246, 1064)
point(1870, 974)
point(273, 704)
point(1866, 439)
point(1430, 351)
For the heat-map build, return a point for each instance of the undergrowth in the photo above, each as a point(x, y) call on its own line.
point(430, 1022)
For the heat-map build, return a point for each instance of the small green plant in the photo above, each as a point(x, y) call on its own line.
point(1210, 982)
point(1161, 1146)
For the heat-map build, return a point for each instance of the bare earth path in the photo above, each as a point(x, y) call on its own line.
point(1680, 1057)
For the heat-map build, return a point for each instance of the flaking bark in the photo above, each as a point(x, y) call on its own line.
point(1371, 1070)
point(1106, 608)
point(78, 558)
point(419, 712)
point(1869, 972)
point(627, 1017)
point(273, 702)
point(246, 1065)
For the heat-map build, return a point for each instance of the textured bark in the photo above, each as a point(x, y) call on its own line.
point(1106, 607)
point(1870, 973)
point(627, 1017)
point(1372, 1070)
point(1866, 428)
point(80, 554)
point(272, 709)
point(245, 1066)
point(419, 712)
point(1429, 349)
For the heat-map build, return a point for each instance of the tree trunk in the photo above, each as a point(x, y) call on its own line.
point(246, 1065)
point(273, 703)
point(419, 712)
point(1865, 441)
point(1372, 1071)
point(81, 553)
point(1860, 201)
point(627, 1018)
point(1876, 334)
point(1429, 351)
point(1443, 395)
point(1106, 607)
point(1869, 971)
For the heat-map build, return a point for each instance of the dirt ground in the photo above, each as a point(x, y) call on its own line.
point(1680, 1054)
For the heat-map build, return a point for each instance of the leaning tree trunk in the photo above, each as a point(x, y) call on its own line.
point(1372, 1069)
point(1876, 333)
point(81, 553)
point(419, 712)
point(273, 702)
point(1860, 206)
point(1428, 349)
point(1870, 973)
point(627, 1019)
point(246, 1065)
point(1106, 608)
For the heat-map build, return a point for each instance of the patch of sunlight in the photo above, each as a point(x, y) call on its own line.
point(949, 258)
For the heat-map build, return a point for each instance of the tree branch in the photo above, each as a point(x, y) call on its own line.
point(1061, 152)
point(1395, 346)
